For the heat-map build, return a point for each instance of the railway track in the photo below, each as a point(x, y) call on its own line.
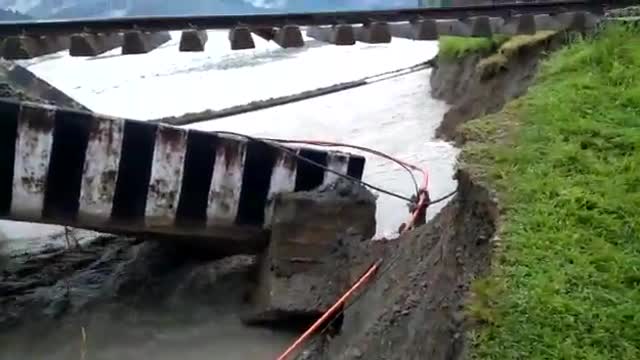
point(139, 35)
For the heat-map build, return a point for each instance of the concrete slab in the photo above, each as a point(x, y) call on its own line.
point(240, 38)
point(289, 36)
point(87, 44)
point(28, 47)
point(193, 40)
point(374, 33)
point(139, 42)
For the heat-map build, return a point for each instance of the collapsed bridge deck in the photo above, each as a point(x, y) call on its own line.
point(74, 168)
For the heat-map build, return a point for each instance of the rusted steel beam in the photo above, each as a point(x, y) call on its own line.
point(193, 40)
point(114, 175)
point(93, 44)
point(376, 32)
point(289, 36)
point(164, 23)
point(139, 42)
point(240, 38)
point(28, 47)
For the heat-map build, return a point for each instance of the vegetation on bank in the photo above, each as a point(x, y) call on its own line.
point(565, 162)
point(455, 47)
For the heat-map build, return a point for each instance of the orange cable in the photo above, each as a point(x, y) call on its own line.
point(363, 279)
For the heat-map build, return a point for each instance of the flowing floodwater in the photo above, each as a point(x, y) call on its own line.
point(396, 116)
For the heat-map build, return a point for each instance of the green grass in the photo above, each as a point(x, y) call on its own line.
point(565, 161)
point(454, 47)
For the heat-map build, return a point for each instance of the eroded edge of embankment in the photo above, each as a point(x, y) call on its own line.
point(562, 136)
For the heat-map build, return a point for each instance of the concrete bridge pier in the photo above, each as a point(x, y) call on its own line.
point(240, 38)
point(193, 40)
point(480, 26)
point(306, 265)
point(519, 25)
point(580, 21)
point(141, 42)
point(375, 32)
point(289, 36)
point(421, 29)
point(340, 34)
point(453, 28)
point(547, 22)
point(88, 44)
point(28, 47)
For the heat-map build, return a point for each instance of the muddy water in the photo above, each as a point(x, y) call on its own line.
point(395, 116)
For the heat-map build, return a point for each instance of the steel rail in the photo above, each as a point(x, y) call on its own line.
point(164, 23)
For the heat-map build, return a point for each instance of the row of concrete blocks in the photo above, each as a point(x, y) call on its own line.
point(290, 36)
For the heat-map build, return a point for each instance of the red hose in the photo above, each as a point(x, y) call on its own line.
point(421, 205)
point(316, 325)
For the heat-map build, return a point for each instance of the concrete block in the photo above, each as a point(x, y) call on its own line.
point(306, 265)
point(86, 44)
point(139, 42)
point(289, 36)
point(193, 40)
point(453, 28)
point(343, 35)
point(374, 33)
point(496, 24)
point(581, 21)
point(480, 26)
point(572, 21)
point(240, 38)
point(28, 47)
point(422, 29)
point(519, 25)
point(547, 22)
point(425, 29)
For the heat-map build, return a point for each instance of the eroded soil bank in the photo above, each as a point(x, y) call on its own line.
point(478, 84)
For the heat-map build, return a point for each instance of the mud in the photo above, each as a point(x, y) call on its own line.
point(414, 307)
point(474, 89)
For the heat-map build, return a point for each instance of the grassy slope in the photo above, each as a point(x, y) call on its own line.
point(454, 47)
point(565, 161)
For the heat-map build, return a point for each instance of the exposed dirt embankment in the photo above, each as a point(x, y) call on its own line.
point(477, 85)
point(414, 309)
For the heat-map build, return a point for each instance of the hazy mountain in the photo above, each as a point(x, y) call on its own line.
point(10, 15)
point(92, 8)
